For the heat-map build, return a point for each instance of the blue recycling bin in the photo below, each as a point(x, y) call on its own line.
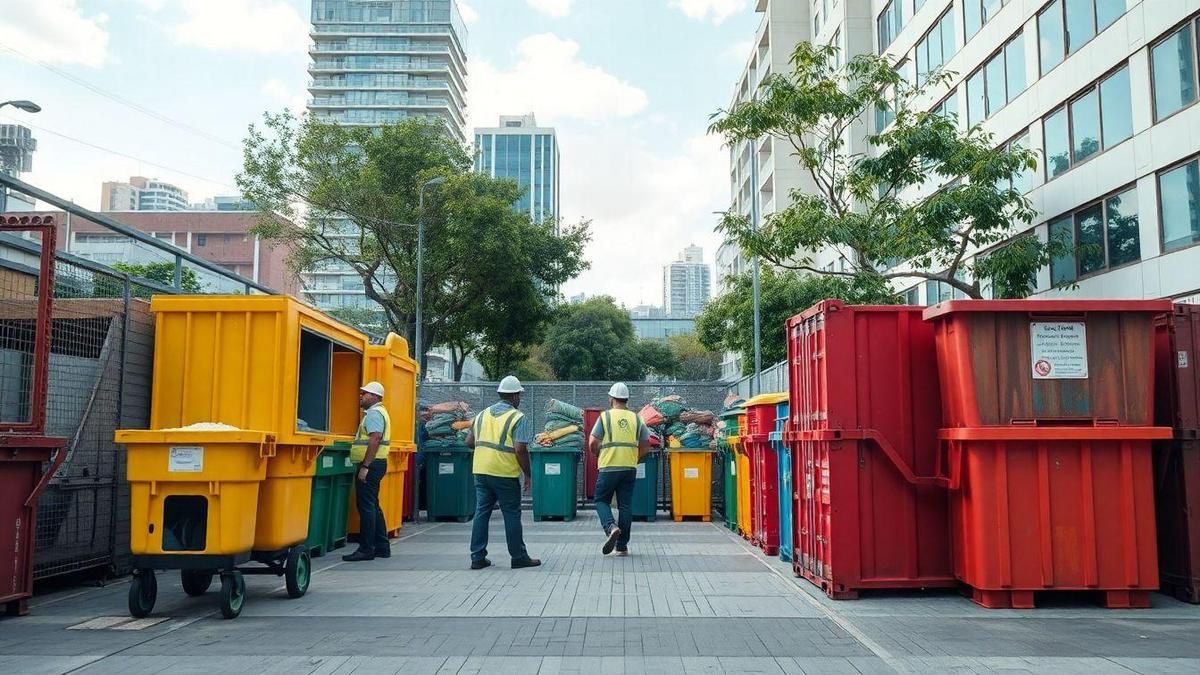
point(784, 464)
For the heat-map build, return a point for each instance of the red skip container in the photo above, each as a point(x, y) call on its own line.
point(591, 467)
point(764, 465)
point(869, 511)
point(1048, 409)
point(1177, 461)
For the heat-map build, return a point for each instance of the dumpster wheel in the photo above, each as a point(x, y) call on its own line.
point(196, 582)
point(233, 594)
point(143, 593)
point(298, 572)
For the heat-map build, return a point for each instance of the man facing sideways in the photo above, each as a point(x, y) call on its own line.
point(500, 437)
point(369, 455)
point(621, 440)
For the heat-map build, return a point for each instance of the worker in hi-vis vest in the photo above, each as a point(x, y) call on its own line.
point(369, 455)
point(500, 437)
point(620, 439)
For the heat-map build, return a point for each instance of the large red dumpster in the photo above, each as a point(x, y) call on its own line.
point(1177, 461)
point(1048, 409)
point(591, 468)
point(869, 511)
point(764, 472)
point(26, 466)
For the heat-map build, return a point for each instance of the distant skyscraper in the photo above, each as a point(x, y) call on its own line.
point(142, 194)
point(376, 63)
point(17, 146)
point(521, 150)
point(687, 284)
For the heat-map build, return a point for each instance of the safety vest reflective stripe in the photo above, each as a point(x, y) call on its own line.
point(495, 449)
point(362, 440)
point(619, 444)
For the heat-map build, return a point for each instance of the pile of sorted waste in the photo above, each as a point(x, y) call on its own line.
point(564, 428)
point(447, 424)
point(679, 426)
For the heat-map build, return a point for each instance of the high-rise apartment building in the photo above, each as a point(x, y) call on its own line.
point(378, 62)
point(17, 146)
point(687, 284)
point(1102, 90)
point(142, 194)
point(521, 150)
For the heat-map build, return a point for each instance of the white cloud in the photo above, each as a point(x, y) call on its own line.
point(550, 80)
point(740, 51)
point(469, 13)
point(701, 9)
point(54, 31)
point(279, 93)
point(555, 8)
point(645, 207)
point(263, 26)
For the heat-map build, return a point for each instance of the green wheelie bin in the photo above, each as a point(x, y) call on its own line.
point(645, 489)
point(449, 484)
point(555, 472)
point(327, 519)
point(729, 461)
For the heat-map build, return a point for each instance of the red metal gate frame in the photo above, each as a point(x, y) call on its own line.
point(45, 226)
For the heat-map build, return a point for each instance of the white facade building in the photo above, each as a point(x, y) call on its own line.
point(520, 150)
point(142, 194)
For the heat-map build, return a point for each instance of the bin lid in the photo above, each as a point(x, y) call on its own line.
point(1046, 307)
point(768, 399)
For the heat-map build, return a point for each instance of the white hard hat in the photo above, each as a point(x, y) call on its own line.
point(619, 391)
point(510, 385)
point(373, 388)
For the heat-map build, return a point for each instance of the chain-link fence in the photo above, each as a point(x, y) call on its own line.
point(697, 396)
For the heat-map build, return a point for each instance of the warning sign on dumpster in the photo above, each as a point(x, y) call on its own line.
point(689, 472)
point(185, 460)
point(1059, 350)
point(553, 469)
point(445, 469)
point(641, 471)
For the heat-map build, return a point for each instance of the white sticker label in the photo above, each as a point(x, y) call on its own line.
point(554, 469)
point(641, 470)
point(733, 468)
point(445, 469)
point(691, 472)
point(1059, 350)
point(186, 460)
point(347, 460)
point(1183, 359)
point(326, 462)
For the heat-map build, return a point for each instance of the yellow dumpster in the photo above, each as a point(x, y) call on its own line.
point(743, 483)
point(391, 365)
point(691, 483)
point(247, 390)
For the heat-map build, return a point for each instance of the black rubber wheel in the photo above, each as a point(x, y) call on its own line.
point(233, 594)
point(298, 572)
point(196, 582)
point(143, 593)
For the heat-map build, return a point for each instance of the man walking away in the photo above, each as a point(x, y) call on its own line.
point(621, 440)
point(369, 452)
point(500, 437)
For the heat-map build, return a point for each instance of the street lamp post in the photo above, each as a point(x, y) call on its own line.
point(420, 342)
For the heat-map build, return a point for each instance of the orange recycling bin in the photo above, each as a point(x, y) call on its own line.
point(1048, 425)
point(391, 365)
point(691, 483)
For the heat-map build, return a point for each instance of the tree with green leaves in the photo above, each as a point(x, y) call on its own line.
point(727, 323)
point(594, 340)
point(921, 191)
point(352, 196)
point(162, 273)
point(697, 363)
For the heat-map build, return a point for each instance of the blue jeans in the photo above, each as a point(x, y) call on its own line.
point(490, 491)
point(372, 529)
point(621, 483)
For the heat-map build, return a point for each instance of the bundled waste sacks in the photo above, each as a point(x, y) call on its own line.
point(563, 429)
point(447, 424)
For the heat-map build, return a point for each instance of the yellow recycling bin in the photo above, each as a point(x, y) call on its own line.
point(691, 483)
point(743, 484)
point(247, 390)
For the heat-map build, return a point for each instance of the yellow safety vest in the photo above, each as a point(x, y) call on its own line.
point(358, 449)
point(495, 451)
point(619, 444)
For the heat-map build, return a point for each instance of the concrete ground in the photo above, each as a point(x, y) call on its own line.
point(691, 598)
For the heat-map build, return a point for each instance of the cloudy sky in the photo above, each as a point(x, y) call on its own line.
point(166, 88)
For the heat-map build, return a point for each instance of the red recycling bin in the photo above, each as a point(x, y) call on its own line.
point(764, 473)
point(591, 469)
point(869, 510)
point(24, 475)
point(1177, 461)
point(1048, 409)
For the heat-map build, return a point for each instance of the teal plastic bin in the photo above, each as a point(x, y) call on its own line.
point(786, 489)
point(449, 484)
point(330, 511)
point(555, 473)
point(645, 489)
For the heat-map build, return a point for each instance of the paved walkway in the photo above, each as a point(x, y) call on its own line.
point(691, 598)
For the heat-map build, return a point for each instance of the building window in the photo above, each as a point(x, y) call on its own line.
point(996, 82)
point(836, 43)
point(948, 107)
point(889, 23)
point(978, 12)
point(1101, 235)
point(1094, 120)
point(937, 47)
point(1066, 25)
point(1022, 182)
point(1179, 202)
point(201, 240)
point(1173, 61)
